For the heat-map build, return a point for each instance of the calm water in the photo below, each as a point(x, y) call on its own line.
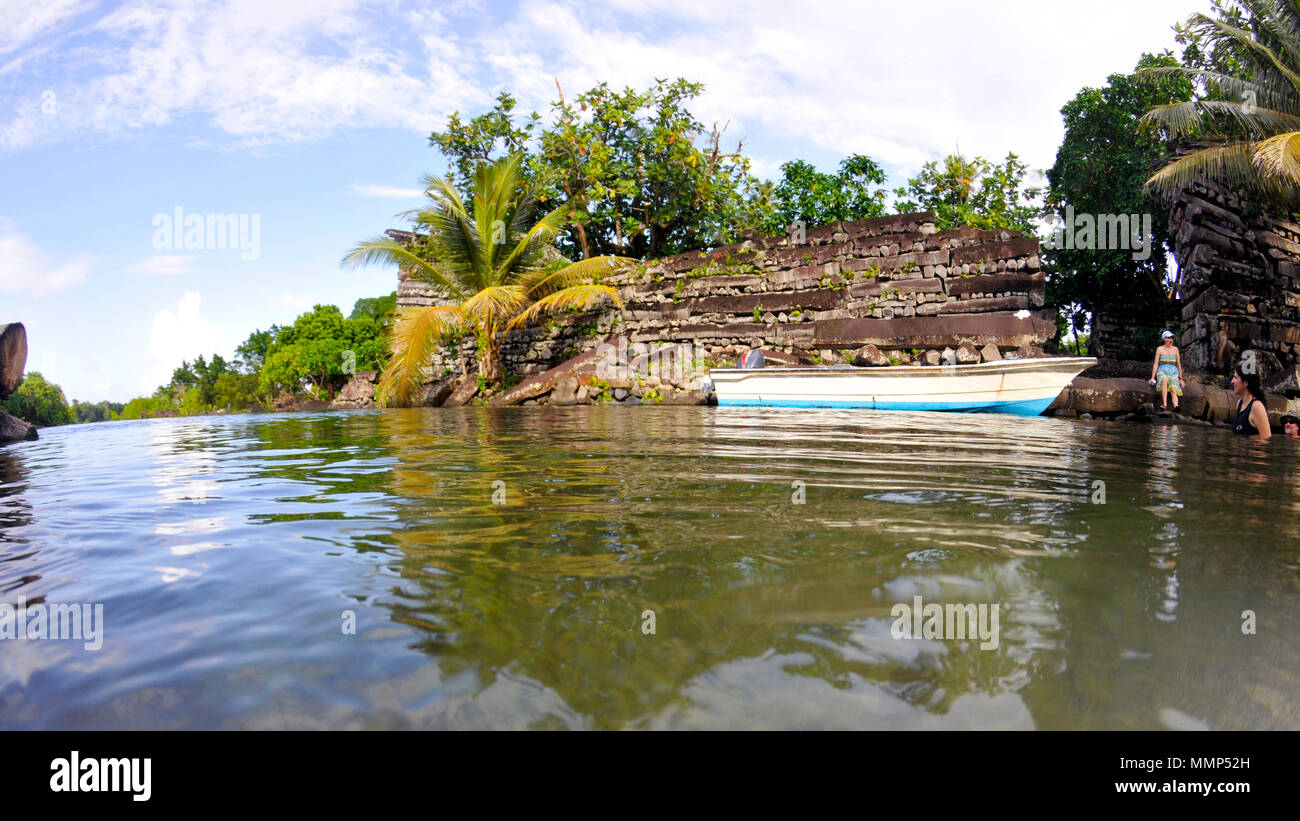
point(226, 551)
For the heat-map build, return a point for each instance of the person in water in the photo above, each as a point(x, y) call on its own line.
point(1168, 367)
point(1291, 427)
point(1252, 418)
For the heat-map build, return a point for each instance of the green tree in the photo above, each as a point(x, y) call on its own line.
point(489, 258)
point(251, 353)
point(973, 192)
point(641, 176)
point(378, 308)
point(39, 402)
point(804, 193)
point(321, 348)
point(88, 412)
point(1101, 168)
point(1245, 60)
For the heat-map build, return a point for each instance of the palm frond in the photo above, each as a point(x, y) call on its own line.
point(493, 306)
point(591, 270)
point(388, 251)
point(575, 297)
point(1188, 117)
point(417, 333)
point(1232, 164)
point(1279, 156)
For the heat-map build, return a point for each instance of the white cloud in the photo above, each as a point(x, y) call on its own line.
point(278, 72)
point(164, 265)
point(176, 334)
point(27, 268)
point(839, 78)
point(386, 191)
point(818, 81)
point(22, 22)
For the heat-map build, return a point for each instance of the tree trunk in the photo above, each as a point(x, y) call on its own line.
point(489, 362)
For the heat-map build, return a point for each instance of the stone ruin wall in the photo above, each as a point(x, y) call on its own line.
point(1240, 284)
point(894, 282)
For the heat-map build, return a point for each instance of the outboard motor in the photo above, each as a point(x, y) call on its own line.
point(751, 359)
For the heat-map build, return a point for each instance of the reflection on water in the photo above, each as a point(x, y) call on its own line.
point(233, 553)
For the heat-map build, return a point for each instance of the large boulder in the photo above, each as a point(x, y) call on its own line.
point(869, 355)
point(358, 393)
point(434, 394)
point(465, 389)
point(13, 429)
point(565, 392)
point(1108, 395)
point(13, 357)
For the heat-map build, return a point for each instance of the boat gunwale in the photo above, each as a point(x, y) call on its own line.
point(1046, 364)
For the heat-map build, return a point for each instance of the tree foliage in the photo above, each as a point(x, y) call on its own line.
point(322, 349)
point(974, 192)
point(39, 402)
point(854, 192)
point(642, 177)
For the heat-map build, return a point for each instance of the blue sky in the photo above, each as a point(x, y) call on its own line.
point(313, 117)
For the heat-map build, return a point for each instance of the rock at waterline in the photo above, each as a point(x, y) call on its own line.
point(464, 391)
point(967, 353)
point(13, 429)
point(869, 355)
point(565, 391)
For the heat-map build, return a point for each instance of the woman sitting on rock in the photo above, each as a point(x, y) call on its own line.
point(1168, 366)
point(1252, 420)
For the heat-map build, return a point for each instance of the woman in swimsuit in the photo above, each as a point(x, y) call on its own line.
point(1168, 365)
point(1252, 419)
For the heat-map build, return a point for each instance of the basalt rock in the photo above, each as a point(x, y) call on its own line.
point(13, 357)
point(869, 355)
point(465, 389)
point(13, 429)
point(358, 393)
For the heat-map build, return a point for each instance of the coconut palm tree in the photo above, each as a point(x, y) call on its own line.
point(488, 259)
point(1248, 126)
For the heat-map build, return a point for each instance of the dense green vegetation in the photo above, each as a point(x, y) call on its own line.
point(39, 402)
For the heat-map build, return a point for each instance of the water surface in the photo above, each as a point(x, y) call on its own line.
point(228, 552)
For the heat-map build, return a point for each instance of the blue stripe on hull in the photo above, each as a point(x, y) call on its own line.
point(1028, 407)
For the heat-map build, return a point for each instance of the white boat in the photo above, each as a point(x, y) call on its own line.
point(1017, 386)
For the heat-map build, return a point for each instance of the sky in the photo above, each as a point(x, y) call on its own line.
point(306, 124)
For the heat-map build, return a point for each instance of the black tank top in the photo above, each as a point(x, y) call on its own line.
point(1243, 424)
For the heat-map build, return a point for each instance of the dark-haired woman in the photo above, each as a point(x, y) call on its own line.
point(1252, 418)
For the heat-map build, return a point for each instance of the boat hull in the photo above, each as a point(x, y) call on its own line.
point(1023, 387)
